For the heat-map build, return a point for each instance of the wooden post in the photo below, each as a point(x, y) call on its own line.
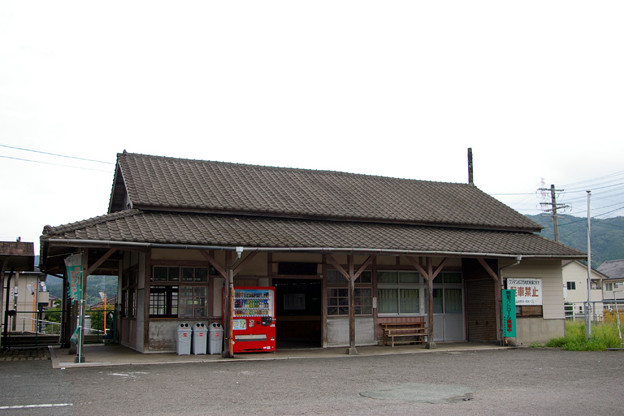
point(497, 297)
point(66, 315)
point(352, 350)
point(351, 275)
point(429, 275)
point(228, 319)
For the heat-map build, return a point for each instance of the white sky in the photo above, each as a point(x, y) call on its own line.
point(393, 88)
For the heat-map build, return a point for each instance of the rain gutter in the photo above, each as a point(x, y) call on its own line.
point(80, 242)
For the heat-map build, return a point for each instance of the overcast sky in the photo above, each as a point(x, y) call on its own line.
point(393, 88)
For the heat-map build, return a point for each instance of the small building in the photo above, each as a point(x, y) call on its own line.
point(345, 253)
point(575, 291)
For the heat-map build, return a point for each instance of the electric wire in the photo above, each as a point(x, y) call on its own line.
point(54, 154)
point(53, 164)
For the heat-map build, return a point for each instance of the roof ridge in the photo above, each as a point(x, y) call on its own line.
point(290, 168)
point(170, 183)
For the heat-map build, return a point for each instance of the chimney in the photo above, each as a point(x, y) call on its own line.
point(470, 171)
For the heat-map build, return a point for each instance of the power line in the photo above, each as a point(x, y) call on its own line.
point(52, 154)
point(589, 181)
point(53, 164)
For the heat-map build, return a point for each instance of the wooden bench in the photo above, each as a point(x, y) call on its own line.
point(406, 332)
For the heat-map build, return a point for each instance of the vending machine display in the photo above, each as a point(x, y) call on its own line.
point(253, 326)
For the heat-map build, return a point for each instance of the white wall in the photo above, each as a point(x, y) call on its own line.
point(338, 331)
point(549, 272)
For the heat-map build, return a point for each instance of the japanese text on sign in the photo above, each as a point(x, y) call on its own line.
point(528, 291)
point(509, 313)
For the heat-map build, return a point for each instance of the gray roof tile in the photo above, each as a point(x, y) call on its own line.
point(171, 184)
point(259, 232)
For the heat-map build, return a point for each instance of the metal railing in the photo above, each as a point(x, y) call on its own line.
point(600, 311)
point(44, 327)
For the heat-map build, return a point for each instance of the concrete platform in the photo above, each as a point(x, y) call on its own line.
point(113, 355)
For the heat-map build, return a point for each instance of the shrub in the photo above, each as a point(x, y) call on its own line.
point(603, 336)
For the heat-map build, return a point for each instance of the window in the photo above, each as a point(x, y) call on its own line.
point(193, 302)
point(447, 293)
point(179, 292)
point(338, 294)
point(596, 285)
point(527, 311)
point(163, 301)
point(571, 285)
point(400, 293)
point(128, 292)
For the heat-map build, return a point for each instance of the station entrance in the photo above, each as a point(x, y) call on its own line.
point(298, 304)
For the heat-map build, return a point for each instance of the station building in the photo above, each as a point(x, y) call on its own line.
point(346, 253)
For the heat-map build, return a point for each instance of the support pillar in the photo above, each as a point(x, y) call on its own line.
point(351, 275)
point(429, 274)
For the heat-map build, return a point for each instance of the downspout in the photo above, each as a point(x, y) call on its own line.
point(509, 266)
point(500, 276)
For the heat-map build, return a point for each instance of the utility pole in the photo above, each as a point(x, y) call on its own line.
point(553, 207)
point(588, 309)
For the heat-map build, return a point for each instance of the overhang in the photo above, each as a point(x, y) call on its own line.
point(138, 229)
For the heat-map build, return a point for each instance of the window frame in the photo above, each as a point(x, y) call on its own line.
point(170, 301)
point(399, 286)
point(177, 279)
point(129, 285)
point(336, 282)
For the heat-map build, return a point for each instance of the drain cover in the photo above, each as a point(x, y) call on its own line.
point(424, 393)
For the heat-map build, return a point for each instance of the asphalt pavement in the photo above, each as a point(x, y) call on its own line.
point(442, 382)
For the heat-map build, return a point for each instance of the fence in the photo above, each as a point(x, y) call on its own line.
point(44, 327)
point(600, 311)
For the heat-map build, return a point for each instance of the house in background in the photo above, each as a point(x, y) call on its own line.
point(575, 290)
point(613, 285)
point(23, 287)
point(354, 251)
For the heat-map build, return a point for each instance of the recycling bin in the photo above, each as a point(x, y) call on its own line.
point(183, 339)
point(215, 335)
point(200, 335)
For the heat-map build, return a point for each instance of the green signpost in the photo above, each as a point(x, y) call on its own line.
point(509, 313)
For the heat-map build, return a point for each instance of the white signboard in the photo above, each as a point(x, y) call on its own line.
point(528, 291)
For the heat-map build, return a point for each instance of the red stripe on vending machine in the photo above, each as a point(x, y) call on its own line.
point(253, 317)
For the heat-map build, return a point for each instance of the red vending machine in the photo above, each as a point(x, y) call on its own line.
point(254, 319)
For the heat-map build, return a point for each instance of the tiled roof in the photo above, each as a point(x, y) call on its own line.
point(614, 269)
point(177, 185)
point(135, 226)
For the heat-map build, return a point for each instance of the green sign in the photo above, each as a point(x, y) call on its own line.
point(74, 276)
point(509, 313)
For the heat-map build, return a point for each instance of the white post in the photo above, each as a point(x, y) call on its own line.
point(587, 309)
point(617, 317)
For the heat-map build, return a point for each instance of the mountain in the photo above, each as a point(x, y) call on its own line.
point(95, 284)
point(607, 235)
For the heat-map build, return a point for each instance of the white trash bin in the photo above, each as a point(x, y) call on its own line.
point(215, 336)
point(200, 335)
point(183, 339)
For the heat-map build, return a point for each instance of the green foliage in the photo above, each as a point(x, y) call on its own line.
point(95, 284)
point(603, 336)
point(607, 235)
